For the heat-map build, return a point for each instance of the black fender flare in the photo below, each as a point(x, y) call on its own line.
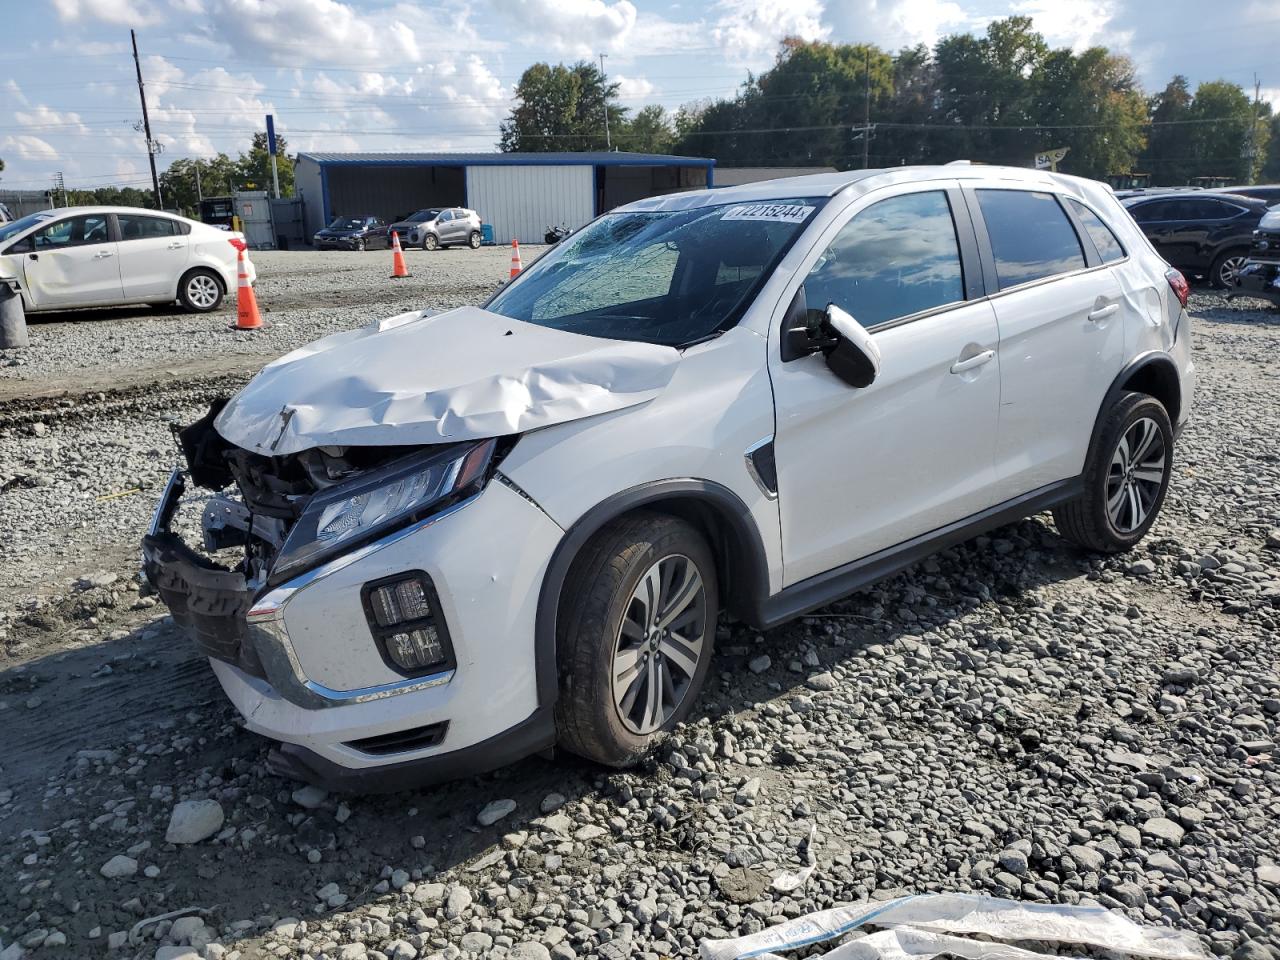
point(1156, 361)
point(747, 589)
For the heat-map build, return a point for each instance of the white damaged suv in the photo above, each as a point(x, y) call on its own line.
point(450, 540)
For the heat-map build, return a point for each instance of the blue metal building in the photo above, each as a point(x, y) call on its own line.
point(519, 193)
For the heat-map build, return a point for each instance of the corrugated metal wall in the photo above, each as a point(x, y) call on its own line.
point(520, 201)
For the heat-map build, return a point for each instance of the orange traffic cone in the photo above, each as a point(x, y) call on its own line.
point(398, 269)
point(515, 260)
point(247, 316)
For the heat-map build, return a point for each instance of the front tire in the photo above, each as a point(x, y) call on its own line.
point(360, 246)
point(200, 291)
point(636, 631)
point(1225, 268)
point(430, 242)
point(473, 240)
point(1125, 479)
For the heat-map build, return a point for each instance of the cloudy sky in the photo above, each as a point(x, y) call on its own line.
point(438, 74)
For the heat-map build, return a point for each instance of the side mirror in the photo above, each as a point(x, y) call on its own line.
point(854, 356)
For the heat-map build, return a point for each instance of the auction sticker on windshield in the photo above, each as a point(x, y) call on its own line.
point(782, 212)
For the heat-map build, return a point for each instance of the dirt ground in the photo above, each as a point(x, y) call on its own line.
point(1011, 718)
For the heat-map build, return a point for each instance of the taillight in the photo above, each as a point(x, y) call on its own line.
point(241, 246)
point(1178, 284)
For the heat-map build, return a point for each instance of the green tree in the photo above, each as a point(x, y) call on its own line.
point(1166, 156)
point(254, 167)
point(649, 131)
point(1270, 172)
point(562, 108)
point(1217, 138)
point(217, 177)
point(1097, 95)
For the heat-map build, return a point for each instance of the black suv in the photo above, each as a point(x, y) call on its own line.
point(1202, 233)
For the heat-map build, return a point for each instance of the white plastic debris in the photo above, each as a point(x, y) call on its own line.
point(927, 925)
point(418, 378)
point(786, 882)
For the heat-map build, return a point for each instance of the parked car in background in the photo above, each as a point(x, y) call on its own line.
point(1270, 192)
point(402, 225)
point(461, 538)
point(1260, 275)
point(452, 226)
point(5, 215)
point(353, 233)
point(103, 256)
point(1201, 233)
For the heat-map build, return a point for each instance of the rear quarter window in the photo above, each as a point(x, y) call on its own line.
point(1108, 246)
point(1031, 237)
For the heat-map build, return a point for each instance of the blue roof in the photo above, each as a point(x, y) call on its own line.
point(595, 159)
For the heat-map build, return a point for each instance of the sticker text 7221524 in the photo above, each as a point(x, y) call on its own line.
point(783, 212)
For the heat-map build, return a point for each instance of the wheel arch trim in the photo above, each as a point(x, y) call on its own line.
point(746, 582)
point(1153, 362)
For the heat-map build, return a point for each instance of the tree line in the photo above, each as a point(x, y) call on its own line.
point(1001, 97)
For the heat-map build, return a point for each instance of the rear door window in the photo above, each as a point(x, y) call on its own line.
point(136, 227)
point(1031, 237)
point(1109, 248)
point(896, 258)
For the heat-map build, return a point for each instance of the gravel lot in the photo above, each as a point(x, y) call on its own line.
point(1011, 717)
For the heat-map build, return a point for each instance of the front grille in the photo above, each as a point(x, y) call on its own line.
point(402, 741)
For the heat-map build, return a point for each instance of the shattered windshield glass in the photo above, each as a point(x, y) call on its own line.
point(671, 277)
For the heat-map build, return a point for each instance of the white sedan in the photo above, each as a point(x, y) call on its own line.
point(107, 256)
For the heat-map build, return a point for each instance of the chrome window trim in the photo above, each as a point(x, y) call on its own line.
point(275, 649)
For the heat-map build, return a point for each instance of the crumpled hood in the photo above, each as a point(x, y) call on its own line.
point(421, 378)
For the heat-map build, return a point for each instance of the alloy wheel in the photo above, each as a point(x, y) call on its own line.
point(202, 291)
point(1229, 270)
point(660, 644)
point(1136, 475)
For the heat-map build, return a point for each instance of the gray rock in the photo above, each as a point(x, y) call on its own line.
point(822, 681)
point(310, 797)
point(475, 942)
point(119, 867)
point(494, 811)
point(1086, 858)
point(1142, 568)
point(457, 902)
point(529, 951)
point(194, 820)
point(353, 951)
point(1015, 861)
point(748, 792)
point(760, 664)
point(1162, 828)
point(552, 802)
point(171, 952)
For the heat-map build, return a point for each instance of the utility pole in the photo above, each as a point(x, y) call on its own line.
point(604, 95)
point(199, 191)
point(867, 129)
point(1251, 152)
point(59, 185)
point(146, 123)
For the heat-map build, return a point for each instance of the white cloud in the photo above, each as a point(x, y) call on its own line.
point(313, 31)
point(129, 13)
point(1078, 25)
point(632, 88)
point(750, 29)
point(29, 147)
point(576, 27)
point(894, 24)
point(44, 118)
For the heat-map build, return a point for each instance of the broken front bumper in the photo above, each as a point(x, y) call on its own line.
point(1258, 278)
point(299, 662)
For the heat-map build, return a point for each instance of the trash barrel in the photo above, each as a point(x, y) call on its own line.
point(486, 234)
point(13, 319)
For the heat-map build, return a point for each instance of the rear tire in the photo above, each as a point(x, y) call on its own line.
point(474, 240)
point(635, 635)
point(1222, 274)
point(200, 291)
point(1126, 477)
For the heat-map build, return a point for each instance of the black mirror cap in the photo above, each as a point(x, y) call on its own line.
point(800, 334)
point(850, 364)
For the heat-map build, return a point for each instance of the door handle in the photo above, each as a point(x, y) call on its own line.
point(972, 363)
point(1103, 312)
point(103, 254)
point(176, 245)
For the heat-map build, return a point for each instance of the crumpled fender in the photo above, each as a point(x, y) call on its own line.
point(421, 378)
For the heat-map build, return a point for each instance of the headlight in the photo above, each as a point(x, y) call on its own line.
point(371, 505)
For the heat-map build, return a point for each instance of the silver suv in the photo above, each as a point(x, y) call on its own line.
point(452, 225)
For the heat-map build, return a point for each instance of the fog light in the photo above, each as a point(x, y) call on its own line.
point(403, 615)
